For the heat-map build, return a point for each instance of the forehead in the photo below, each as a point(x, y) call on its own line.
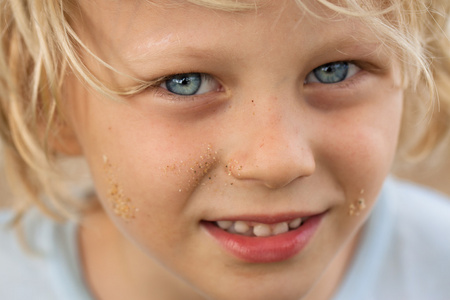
point(132, 16)
point(163, 30)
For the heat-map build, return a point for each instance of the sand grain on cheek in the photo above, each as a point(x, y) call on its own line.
point(121, 205)
point(357, 206)
point(193, 172)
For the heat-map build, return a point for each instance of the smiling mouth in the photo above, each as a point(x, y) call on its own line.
point(264, 238)
point(254, 229)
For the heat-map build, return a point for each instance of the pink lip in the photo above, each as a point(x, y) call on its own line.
point(265, 249)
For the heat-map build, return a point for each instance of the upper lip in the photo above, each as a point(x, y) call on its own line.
point(266, 219)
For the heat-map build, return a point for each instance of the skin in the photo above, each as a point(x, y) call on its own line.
point(273, 144)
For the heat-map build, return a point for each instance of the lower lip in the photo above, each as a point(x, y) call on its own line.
point(266, 249)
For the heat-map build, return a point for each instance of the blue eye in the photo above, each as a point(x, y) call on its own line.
point(332, 72)
point(189, 84)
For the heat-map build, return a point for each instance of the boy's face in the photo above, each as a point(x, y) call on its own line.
point(262, 141)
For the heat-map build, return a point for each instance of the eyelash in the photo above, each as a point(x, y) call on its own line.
point(189, 84)
point(351, 69)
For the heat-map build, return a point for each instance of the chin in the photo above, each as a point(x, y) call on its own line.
point(265, 288)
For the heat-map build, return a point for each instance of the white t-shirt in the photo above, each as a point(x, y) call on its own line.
point(405, 250)
point(52, 271)
point(404, 253)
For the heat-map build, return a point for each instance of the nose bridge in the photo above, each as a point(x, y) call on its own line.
point(272, 123)
point(273, 147)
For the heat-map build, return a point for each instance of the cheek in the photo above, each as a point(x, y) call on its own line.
point(362, 152)
point(361, 148)
point(145, 181)
point(145, 200)
point(153, 181)
point(364, 138)
point(141, 155)
point(357, 152)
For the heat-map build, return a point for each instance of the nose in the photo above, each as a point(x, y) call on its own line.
point(272, 147)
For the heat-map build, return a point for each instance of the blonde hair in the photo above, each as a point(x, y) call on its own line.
point(39, 47)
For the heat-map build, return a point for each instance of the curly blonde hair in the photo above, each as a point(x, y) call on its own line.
point(39, 46)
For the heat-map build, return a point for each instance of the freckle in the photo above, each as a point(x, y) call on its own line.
point(231, 183)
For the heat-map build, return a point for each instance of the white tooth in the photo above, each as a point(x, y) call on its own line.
point(241, 226)
point(262, 230)
point(295, 223)
point(280, 228)
point(224, 224)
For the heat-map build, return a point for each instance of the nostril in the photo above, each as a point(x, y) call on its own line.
point(234, 168)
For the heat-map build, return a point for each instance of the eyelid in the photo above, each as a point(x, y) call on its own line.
point(354, 68)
